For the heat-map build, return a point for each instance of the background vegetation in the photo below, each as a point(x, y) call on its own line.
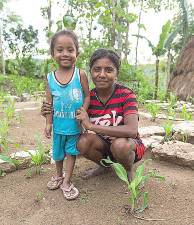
point(112, 19)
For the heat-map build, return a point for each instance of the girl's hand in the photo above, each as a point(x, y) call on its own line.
point(82, 117)
point(48, 131)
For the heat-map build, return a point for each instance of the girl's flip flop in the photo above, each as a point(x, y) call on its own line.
point(70, 193)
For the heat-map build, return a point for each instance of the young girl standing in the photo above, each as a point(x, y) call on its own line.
point(67, 90)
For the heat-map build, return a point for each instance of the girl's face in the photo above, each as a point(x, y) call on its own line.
point(104, 74)
point(65, 52)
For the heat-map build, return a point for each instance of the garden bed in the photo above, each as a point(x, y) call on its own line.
point(102, 199)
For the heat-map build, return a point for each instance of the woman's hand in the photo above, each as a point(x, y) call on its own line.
point(82, 117)
point(46, 108)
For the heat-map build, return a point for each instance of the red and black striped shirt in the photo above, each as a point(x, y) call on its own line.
point(121, 103)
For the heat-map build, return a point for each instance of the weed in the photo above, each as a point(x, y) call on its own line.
point(84, 198)
point(4, 128)
point(29, 173)
point(10, 110)
point(2, 173)
point(135, 191)
point(153, 109)
point(39, 196)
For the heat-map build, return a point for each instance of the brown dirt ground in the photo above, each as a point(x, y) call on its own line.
point(102, 199)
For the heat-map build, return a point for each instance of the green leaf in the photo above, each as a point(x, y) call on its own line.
point(149, 42)
point(121, 172)
point(160, 50)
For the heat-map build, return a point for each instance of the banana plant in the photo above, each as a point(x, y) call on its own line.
point(166, 38)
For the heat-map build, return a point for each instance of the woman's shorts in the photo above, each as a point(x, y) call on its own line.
point(64, 144)
point(139, 148)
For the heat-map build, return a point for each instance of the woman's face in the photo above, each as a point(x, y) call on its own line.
point(104, 74)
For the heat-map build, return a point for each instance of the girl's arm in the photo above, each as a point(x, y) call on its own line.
point(85, 87)
point(49, 117)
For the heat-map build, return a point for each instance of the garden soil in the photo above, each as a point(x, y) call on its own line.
point(103, 200)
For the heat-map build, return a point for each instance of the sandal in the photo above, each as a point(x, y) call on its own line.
point(55, 182)
point(70, 193)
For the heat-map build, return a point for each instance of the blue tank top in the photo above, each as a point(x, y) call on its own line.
point(67, 98)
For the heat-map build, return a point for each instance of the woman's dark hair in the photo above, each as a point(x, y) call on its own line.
point(105, 53)
point(69, 33)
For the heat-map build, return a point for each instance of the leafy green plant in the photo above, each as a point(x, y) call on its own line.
point(171, 112)
point(172, 100)
point(10, 109)
point(136, 194)
point(2, 173)
point(39, 196)
point(40, 157)
point(4, 128)
point(185, 114)
point(168, 130)
point(153, 109)
point(8, 159)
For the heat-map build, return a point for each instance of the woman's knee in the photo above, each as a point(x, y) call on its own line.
point(121, 145)
point(83, 143)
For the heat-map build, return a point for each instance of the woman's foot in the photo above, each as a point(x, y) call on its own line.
point(92, 172)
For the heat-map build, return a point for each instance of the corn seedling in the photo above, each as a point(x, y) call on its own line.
point(168, 131)
point(171, 112)
point(136, 193)
point(153, 109)
point(186, 115)
point(39, 158)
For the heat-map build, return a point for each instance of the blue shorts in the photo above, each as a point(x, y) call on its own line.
point(64, 144)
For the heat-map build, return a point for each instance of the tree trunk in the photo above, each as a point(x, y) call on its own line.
point(138, 33)
point(126, 46)
point(90, 26)
point(49, 19)
point(2, 55)
point(168, 71)
point(112, 29)
point(156, 78)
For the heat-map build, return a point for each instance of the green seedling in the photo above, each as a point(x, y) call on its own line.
point(172, 100)
point(8, 159)
point(168, 127)
point(40, 157)
point(136, 193)
point(153, 110)
point(10, 110)
point(29, 173)
point(2, 173)
point(4, 128)
point(185, 114)
point(39, 196)
point(171, 112)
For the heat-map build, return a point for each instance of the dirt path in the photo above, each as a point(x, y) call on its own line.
point(102, 199)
